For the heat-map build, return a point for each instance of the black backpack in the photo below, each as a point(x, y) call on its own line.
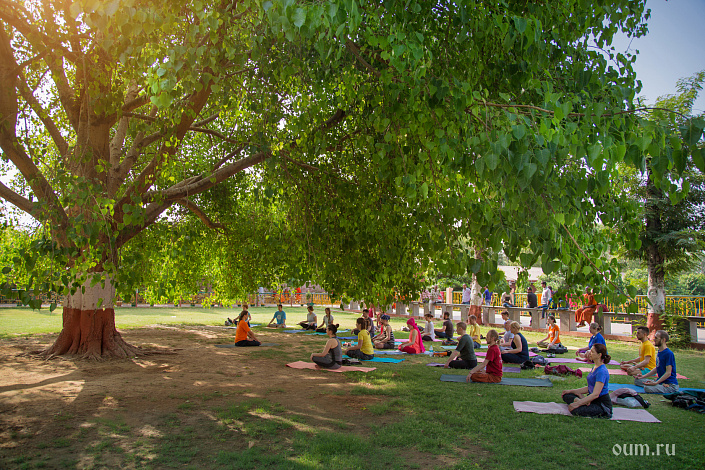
point(539, 360)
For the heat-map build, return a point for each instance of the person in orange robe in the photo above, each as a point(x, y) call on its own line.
point(584, 314)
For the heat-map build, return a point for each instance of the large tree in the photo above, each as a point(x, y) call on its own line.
point(672, 232)
point(387, 130)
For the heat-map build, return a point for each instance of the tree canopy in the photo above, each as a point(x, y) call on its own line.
point(382, 132)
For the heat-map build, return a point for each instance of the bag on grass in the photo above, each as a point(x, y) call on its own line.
point(351, 362)
point(560, 349)
point(528, 365)
point(449, 342)
point(539, 360)
point(562, 370)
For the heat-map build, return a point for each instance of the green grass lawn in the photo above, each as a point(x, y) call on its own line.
point(413, 416)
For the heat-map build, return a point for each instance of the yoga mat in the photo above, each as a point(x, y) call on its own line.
point(232, 345)
point(612, 387)
point(311, 365)
point(551, 408)
point(504, 368)
point(388, 351)
point(623, 372)
point(347, 337)
point(296, 331)
point(388, 360)
point(564, 360)
point(505, 381)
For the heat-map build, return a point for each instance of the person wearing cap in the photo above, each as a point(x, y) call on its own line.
point(385, 338)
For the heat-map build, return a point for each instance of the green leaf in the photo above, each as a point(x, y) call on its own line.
point(299, 17)
point(424, 190)
point(520, 24)
point(268, 4)
point(491, 160)
point(699, 159)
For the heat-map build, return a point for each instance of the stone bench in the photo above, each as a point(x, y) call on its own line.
point(448, 307)
point(694, 320)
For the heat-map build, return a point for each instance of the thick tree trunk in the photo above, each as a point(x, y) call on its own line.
point(655, 260)
point(657, 289)
point(89, 331)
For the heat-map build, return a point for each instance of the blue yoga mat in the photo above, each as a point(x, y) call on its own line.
point(296, 331)
point(612, 387)
point(505, 381)
point(380, 359)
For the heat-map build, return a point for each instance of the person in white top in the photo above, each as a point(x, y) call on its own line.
point(467, 295)
point(545, 298)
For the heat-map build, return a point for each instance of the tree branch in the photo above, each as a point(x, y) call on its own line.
point(14, 198)
point(356, 52)
point(190, 205)
point(49, 124)
point(178, 192)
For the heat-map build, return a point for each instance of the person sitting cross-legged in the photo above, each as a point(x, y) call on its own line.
point(597, 403)
point(363, 350)
point(311, 320)
point(243, 334)
point(519, 352)
point(414, 345)
point(647, 355)
point(279, 317)
point(665, 370)
point(553, 338)
point(332, 356)
point(447, 331)
point(492, 364)
point(465, 350)
point(474, 331)
point(385, 338)
point(596, 338)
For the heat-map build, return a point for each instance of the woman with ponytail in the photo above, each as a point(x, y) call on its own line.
point(597, 402)
point(415, 343)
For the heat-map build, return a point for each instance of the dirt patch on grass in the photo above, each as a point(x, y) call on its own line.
point(142, 412)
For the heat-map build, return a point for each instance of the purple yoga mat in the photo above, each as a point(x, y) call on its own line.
point(564, 360)
point(484, 353)
point(504, 368)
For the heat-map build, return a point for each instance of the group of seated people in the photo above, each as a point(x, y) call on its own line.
point(655, 372)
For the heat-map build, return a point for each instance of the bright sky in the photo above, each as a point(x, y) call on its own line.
point(672, 49)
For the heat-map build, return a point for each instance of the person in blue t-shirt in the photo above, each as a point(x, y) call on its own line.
point(665, 371)
point(597, 338)
point(279, 317)
point(597, 402)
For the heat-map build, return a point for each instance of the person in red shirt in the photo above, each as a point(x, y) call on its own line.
point(243, 334)
point(492, 363)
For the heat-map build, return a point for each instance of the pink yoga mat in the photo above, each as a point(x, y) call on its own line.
point(311, 365)
point(551, 408)
point(622, 372)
